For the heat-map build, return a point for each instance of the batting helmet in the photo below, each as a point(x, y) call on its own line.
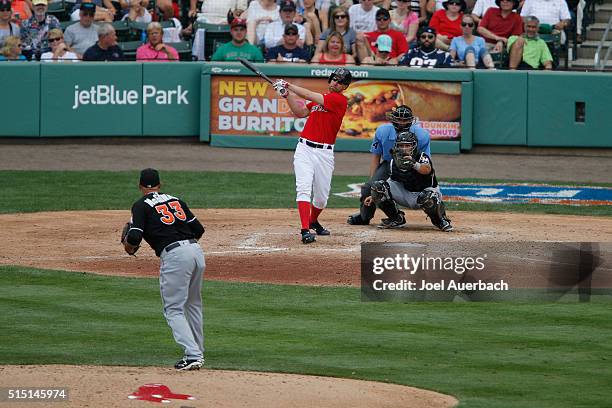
point(342, 76)
point(401, 117)
point(405, 150)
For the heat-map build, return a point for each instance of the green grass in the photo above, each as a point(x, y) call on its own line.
point(29, 191)
point(486, 354)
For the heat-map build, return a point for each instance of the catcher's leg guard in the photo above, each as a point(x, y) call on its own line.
point(429, 200)
point(381, 194)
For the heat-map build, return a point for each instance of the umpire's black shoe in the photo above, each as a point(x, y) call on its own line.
point(319, 229)
point(187, 365)
point(356, 219)
point(307, 236)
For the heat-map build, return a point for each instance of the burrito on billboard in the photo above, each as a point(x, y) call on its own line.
point(437, 106)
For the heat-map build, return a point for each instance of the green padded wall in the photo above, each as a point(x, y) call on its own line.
point(20, 113)
point(179, 116)
point(117, 110)
point(500, 108)
point(552, 109)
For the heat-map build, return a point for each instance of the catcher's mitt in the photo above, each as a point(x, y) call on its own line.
point(129, 248)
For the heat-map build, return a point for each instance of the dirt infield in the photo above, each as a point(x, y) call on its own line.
point(109, 387)
point(256, 247)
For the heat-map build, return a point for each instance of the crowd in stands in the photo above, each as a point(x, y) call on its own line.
point(407, 33)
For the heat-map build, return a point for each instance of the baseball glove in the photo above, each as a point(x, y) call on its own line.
point(130, 249)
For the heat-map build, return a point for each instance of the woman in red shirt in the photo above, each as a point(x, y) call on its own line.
point(447, 22)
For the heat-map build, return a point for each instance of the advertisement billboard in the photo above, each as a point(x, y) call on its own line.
point(247, 107)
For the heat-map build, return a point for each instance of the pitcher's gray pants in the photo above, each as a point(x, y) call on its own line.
point(180, 282)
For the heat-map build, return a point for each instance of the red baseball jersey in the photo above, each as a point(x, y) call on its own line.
point(324, 121)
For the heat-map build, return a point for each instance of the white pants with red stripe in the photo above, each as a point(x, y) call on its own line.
point(313, 173)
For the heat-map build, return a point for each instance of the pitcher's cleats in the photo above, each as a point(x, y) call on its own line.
point(398, 222)
point(187, 365)
point(319, 229)
point(307, 236)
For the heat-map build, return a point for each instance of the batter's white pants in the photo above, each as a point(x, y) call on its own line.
point(313, 173)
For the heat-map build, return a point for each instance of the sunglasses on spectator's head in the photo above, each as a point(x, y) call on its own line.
point(339, 16)
point(404, 1)
point(456, 3)
point(463, 24)
point(291, 33)
point(427, 36)
point(55, 39)
point(382, 18)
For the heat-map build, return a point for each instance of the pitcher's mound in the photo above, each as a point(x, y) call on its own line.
point(103, 386)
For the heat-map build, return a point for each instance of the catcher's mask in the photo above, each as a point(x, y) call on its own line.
point(401, 117)
point(342, 76)
point(405, 150)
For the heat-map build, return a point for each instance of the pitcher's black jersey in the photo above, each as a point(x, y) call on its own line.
point(163, 219)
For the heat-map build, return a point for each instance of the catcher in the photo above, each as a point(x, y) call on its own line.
point(171, 229)
point(412, 183)
point(402, 119)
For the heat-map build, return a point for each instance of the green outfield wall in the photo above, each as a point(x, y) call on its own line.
point(176, 100)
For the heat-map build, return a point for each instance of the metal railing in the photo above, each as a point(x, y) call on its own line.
point(599, 63)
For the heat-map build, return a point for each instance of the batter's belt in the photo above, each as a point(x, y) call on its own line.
point(316, 145)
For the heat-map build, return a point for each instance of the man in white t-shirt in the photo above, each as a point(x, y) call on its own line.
point(480, 8)
point(363, 16)
point(275, 30)
point(552, 12)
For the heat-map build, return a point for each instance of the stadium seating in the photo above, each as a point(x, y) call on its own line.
point(213, 33)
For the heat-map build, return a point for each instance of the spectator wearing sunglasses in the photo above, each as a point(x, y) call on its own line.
point(447, 22)
point(7, 26)
point(366, 42)
point(11, 49)
point(288, 51)
point(363, 16)
point(405, 20)
point(82, 35)
point(470, 50)
point(340, 23)
point(59, 50)
point(499, 24)
point(426, 55)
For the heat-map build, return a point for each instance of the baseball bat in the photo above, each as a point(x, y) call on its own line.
point(257, 72)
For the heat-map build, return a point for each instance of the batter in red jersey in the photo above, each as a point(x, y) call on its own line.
point(313, 161)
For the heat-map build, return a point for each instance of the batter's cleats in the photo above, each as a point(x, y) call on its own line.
point(319, 229)
point(188, 365)
point(307, 237)
point(356, 219)
point(387, 223)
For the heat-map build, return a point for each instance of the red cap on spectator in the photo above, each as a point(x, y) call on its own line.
point(238, 22)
